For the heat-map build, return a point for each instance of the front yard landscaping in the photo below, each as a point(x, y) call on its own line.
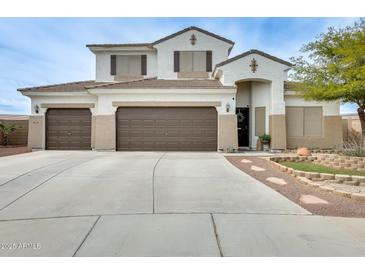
point(317, 197)
point(312, 167)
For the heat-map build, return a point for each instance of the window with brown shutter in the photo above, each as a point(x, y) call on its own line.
point(144, 64)
point(113, 65)
point(129, 65)
point(304, 121)
point(193, 61)
point(209, 61)
point(260, 121)
point(176, 61)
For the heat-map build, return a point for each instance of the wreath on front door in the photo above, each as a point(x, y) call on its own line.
point(240, 117)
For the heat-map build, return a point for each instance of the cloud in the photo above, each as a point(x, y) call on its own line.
point(348, 108)
point(37, 51)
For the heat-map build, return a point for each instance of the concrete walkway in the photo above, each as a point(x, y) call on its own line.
point(55, 203)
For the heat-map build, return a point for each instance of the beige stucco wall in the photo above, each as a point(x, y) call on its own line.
point(104, 132)
point(332, 135)
point(351, 128)
point(36, 133)
point(277, 129)
point(227, 132)
point(93, 131)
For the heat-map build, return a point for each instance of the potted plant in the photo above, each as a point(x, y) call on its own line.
point(5, 130)
point(265, 140)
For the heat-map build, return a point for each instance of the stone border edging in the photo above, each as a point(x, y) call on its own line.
point(315, 179)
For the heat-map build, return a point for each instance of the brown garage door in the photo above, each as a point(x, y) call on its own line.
point(68, 129)
point(167, 128)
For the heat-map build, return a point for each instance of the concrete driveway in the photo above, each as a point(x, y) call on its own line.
point(55, 203)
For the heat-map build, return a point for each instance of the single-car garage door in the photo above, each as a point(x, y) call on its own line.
point(167, 128)
point(68, 129)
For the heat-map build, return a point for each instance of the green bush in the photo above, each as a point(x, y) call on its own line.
point(265, 138)
point(5, 130)
point(353, 149)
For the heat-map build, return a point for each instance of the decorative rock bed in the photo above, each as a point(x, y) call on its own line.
point(349, 186)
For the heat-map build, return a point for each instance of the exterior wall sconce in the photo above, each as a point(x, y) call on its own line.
point(36, 109)
point(228, 107)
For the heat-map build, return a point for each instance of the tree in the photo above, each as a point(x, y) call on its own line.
point(334, 68)
point(5, 130)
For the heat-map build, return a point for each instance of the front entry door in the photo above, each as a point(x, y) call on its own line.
point(243, 126)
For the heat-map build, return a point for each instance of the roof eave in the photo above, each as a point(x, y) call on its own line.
point(116, 47)
point(55, 93)
point(254, 51)
point(172, 90)
point(168, 37)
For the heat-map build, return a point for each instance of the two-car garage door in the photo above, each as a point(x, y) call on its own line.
point(138, 128)
point(167, 128)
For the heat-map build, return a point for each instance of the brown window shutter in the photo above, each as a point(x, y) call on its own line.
point(113, 65)
point(144, 64)
point(209, 61)
point(176, 61)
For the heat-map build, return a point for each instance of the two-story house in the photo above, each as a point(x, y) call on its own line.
point(182, 92)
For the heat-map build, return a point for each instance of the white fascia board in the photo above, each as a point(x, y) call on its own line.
point(55, 93)
point(164, 91)
point(121, 49)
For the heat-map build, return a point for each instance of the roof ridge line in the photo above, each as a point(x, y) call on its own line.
point(167, 37)
point(193, 28)
point(253, 51)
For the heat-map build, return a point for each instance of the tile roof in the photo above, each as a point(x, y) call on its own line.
point(193, 28)
point(121, 45)
point(142, 84)
point(71, 86)
point(162, 83)
point(253, 51)
point(164, 39)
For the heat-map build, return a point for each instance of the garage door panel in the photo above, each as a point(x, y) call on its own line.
point(161, 123)
point(68, 129)
point(167, 129)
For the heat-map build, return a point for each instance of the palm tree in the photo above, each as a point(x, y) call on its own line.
point(5, 130)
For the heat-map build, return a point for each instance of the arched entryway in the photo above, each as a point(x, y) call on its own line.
point(252, 110)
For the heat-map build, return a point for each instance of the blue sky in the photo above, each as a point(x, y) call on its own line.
point(41, 51)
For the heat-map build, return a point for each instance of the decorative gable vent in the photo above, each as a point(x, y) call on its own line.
point(193, 39)
point(254, 65)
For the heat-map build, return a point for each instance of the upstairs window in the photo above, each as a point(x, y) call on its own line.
point(192, 61)
point(128, 65)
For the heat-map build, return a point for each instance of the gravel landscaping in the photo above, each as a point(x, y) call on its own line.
point(293, 189)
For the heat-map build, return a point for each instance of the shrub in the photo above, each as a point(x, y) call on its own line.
point(5, 130)
point(353, 148)
point(265, 138)
point(354, 136)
